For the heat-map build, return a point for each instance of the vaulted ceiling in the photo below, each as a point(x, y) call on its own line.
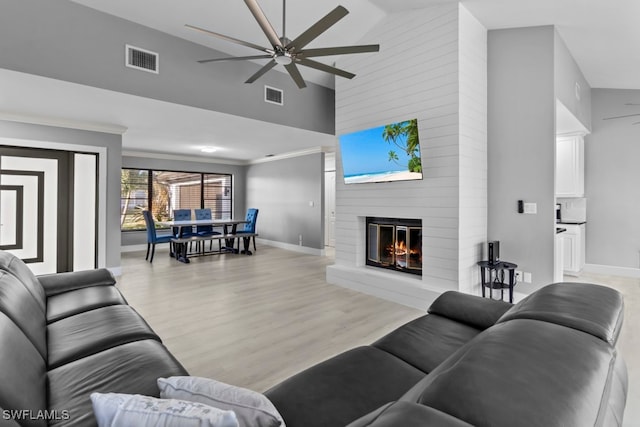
point(602, 39)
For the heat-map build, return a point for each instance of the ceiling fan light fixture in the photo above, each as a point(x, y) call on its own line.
point(283, 58)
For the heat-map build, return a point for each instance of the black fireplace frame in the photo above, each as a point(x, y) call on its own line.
point(393, 222)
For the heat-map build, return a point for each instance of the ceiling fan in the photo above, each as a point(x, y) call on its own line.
point(625, 115)
point(291, 53)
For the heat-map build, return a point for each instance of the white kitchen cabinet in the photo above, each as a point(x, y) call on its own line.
point(574, 248)
point(570, 166)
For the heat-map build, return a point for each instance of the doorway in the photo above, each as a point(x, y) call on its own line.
point(48, 208)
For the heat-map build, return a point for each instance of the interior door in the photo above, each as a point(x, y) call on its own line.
point(38, 205)
point(330, 208)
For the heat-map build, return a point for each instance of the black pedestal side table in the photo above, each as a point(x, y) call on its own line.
point(493, 277)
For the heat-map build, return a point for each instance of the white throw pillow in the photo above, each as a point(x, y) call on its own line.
point(252, 409)
point(123, 410)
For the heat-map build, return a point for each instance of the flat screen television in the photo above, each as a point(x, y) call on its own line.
point(382, 154)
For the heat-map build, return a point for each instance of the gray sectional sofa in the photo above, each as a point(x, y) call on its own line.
point(549, 360)
point(66, 335)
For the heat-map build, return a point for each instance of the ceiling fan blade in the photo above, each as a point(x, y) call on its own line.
point(295, 75)
point(234, 58)
point(262, 71)
point(341, 50)
point(323, 67)
point(318, 28)
point(621, 117)
point(264, 23)
point(227, 38)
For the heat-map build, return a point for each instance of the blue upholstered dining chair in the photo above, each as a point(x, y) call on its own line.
point(249, 226)
point(182, 215)
point(206, 230)
point(152, 236)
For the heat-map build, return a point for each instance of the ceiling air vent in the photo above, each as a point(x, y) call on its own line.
point(141, 59)
point(273, 95)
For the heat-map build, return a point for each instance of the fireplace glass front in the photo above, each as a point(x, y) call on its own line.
point(395, 243)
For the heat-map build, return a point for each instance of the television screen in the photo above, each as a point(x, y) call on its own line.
point(382, 154)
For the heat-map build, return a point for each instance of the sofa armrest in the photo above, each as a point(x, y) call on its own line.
point(58, 283)
point(472, 310)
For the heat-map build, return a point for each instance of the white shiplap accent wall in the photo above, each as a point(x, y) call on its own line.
point(417, 74)
point(473, 149)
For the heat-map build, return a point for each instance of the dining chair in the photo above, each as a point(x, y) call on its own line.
point(153, 238)
point(249, 226)
point(182, 215)
point(206, 230)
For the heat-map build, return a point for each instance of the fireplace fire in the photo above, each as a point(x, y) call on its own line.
point(395, 244)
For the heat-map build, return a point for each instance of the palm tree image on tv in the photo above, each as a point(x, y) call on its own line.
point(366, 156)
point(404, 135)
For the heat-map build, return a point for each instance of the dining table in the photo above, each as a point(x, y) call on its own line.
point(229, 227)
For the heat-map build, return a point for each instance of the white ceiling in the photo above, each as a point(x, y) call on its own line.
point(149, 125)
point(602, 36)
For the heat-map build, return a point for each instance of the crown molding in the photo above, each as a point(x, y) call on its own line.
point(167, 156)
point(62, 123)
point(292, 154)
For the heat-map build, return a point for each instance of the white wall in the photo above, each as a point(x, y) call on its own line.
point(289, 193)
point(473, 149)
point(611, 182)
point(417, 74)
point(522, 148)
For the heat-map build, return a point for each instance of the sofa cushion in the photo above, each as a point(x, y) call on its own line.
point(15, 266)
point(121, 410)
point(480, 313)
point(130, 368)
point(426, 341)
point(252, 409)
point(93, 331)
point(597, 310)
point(58, 283)
point(22, 308)
point(74, 302)
point(23, 376)
point(523, 373)
point(343, 388)
point(407, 414)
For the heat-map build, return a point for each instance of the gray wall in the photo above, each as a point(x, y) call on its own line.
point(612, 175)
point(282, 190)
point(521, 154)
point(239, 184)
point(67, 41)
point(113, 143)
point(567, 74)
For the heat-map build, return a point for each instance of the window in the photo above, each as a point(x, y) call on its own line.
point(163, 191)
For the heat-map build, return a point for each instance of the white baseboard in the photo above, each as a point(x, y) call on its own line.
point(612, 270)
point(294, 248)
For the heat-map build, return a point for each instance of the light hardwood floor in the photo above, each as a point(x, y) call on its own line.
point(255, 320)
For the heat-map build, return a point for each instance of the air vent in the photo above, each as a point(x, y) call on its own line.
point(273, 95)
point(141, 59)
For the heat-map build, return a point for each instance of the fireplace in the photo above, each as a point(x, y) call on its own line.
point(395, 244)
